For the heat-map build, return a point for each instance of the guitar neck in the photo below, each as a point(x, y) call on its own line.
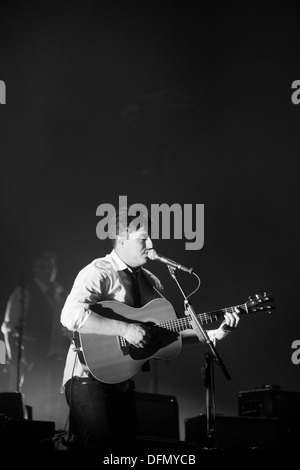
point(181, 324)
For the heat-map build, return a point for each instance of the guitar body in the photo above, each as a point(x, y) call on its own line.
point(111, 359)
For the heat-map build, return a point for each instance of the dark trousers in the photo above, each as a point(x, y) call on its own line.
point(102, 417)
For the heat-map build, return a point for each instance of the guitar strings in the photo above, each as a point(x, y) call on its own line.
point(183, 323)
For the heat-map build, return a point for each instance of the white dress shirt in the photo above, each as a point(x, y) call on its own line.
point(102, 279)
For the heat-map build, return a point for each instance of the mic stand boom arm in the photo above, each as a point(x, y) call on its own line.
point(211, 355)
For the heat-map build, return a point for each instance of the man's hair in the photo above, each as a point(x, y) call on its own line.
point(123, 224)
point(48, 257)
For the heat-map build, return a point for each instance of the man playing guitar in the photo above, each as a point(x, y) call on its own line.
point(102, 406)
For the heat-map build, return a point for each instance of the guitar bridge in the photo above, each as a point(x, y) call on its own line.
point(124, 345)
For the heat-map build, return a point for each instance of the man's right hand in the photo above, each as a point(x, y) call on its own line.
point(136, 335)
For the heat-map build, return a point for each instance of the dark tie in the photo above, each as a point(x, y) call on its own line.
point(135, 276)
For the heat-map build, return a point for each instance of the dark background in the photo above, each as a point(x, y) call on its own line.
point(164, 103)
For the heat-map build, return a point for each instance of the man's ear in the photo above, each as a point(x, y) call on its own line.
point(120, 240)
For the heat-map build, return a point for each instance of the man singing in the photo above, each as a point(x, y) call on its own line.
point(103, 415)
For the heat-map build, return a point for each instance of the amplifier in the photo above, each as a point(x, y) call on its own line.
point(157, 415)
point(22, 434)
point(12, 405)
point(270, 402)
point(150, 446)
point(237, 433)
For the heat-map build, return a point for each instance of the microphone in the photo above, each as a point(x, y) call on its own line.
point(154, 256)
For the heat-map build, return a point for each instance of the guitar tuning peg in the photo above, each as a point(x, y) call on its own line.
point(250, 297)
point(257, 296)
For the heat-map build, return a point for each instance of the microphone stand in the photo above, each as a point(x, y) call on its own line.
point(211, 355)
point(20, 336)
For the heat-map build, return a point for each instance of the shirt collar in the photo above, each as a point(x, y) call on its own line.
point(120, 265)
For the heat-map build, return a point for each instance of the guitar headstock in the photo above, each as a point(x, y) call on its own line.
point(260, 303)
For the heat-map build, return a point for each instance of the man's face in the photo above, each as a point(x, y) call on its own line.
point(45, 271)
point(134, 249)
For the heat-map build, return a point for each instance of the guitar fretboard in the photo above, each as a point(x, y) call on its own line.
point(183, 323)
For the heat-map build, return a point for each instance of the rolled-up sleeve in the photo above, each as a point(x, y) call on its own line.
point(87, 289)
point(14, 310)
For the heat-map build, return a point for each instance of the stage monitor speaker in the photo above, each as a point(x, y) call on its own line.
point(270, 402)
point(12, 405)
point(157, 415)
point(151, 446)
point(22, 434)
point(237, 433)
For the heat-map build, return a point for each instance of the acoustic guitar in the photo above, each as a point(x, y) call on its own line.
point(111, 359)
